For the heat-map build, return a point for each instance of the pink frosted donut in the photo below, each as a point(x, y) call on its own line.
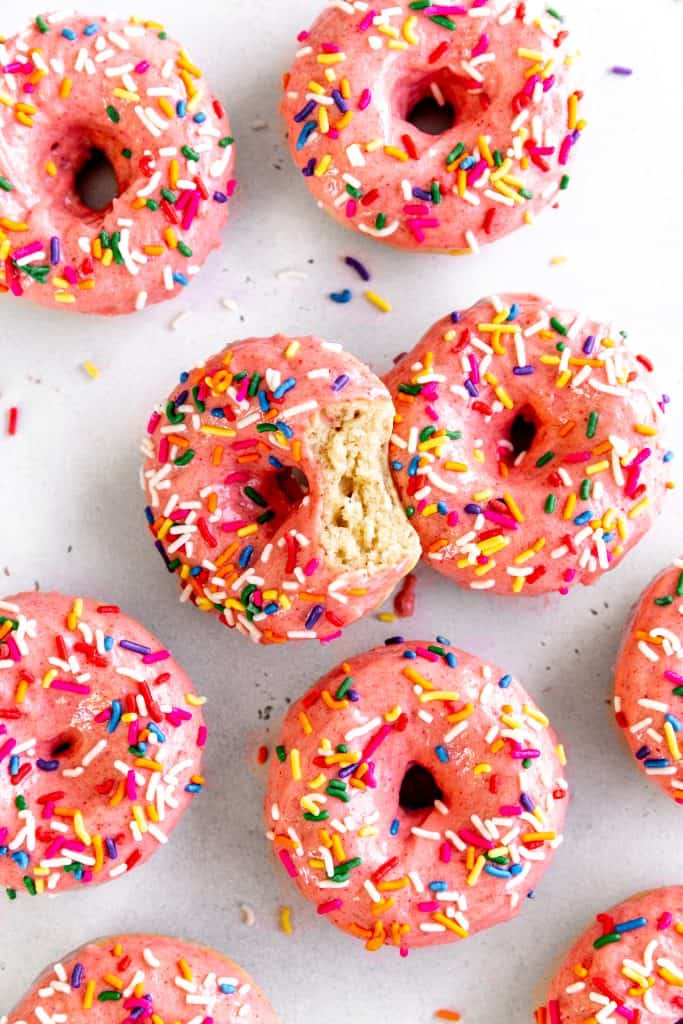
point(498, 78)
point(100, 743)
point(528, 448)
point(648, 684)
point(144, 978)
point(417, 795)
point(269, 490)
point(74, 87)
point(627, 967)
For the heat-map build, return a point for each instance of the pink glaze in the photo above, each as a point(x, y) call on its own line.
point(606, 981)
point(471, 726)
point(65, 683)
point(648, 685)
point(504, 68)
point(119, 87)
point(168, 978)
point(204, 517)
point(495, 520)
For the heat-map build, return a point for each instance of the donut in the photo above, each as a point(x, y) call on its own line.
point(648, 682)
point(628, 966)
point(416, 796)
point(101, 738)
point(79, 89)
point(528, 448)
point(269, 489)
point(144, 978)
point(504, 124)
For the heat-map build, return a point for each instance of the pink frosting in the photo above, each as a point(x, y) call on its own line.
point(82, 83)
point(157, 977)
point(389, 874)
point(645, 942)
point(81, 684)
point(241, 544)
point(648, 685)
point(504, 69)
point(594, 476)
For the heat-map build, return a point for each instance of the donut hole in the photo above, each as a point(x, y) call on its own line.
point(522, 432)
point(431, 116)
point(419, 789)
point(293, 484)
point(95, 182)
point(432, 103)
point(63, 746)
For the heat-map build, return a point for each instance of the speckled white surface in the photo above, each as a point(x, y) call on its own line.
point(71, 515)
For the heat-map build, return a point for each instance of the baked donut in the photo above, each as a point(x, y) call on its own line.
point(80, 91)
point(505, 118)
point(627, 967)
point(648, 684)
point(144, 978)
point(269, 490)
point(528, 448)
point(417, 795)
point(101, 738)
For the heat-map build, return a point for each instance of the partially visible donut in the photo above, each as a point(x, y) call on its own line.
point(269, 490)
point(529, 448)
point(144, 978)
point(101, 737)
point(507, 118)
point(78, 87)
point(416, 796)
point(628, 966)
point(648, 683)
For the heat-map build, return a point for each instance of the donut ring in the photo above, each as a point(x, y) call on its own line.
point(148, 975)
point(529, 446)
point(417, 795)
point(648, 683)
point(599, 979)
point(503, 93)
point(269, 490)
point(74, 86)
point(101, 739)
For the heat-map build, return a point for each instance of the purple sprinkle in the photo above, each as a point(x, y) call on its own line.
point(589, 344)
point(304, 112)
point(110, 847)
point(526, 802)
point(522, 371)
point(313, 616)
point(471, 388)
point(220, 197)
point(308, 170)
point(619, 69)
point(455, 317)
point(77, 976)
point(362, 271)
point(473, 510)
point(128, 645)
point(340, 101)
point(54, 251)
point(341, 382)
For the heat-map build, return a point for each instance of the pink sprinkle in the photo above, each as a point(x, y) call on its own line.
point(288, 863)
point(672, 676)
point(577, 457)
point(474, 839)
point(548, 83)
point(422, 652)
point(311, 567)
point(233, 525)
point(554, 1011)
point(632, 481)
point(476, 172)
point(164, 449)
point(48, 810)
point(565, 149)
point(432, 413)
point(474, 369)
point(506, 521)
point(155, 656)
point(452, 518)
point(142, 67)
point(202, 734)
point(242, 392)
point(7, 748)
point(153, 422)
point(375, 741)
point(365, 99)
point(239, 477)
point(68, 687)
point(327, 908)
point(71, 275)
point(445, 853)
point(416, 209)
point(303, 35)
point(510, 810)
point(642, 456)
point(230, 188)
point(11, 645)
point(428, 908)
point(351, 208)
point(191, 211)
point(664, 921)
point(367, 21)
point(330, 48)
point(27, 250)
point(482, 45)
point(239, 446)
point(330, 637)
point(131, 788)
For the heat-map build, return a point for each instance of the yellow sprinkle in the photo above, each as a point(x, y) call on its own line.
point(637, 509)
point(90, 369)
point(295, 763)
point(21, 691)
point(305, 723)
point(474, 874)
point(386, 617)
point(569, 506)
point(89, 994)
point(557, 261)
point(452, 926)
point(292, 349)
point(431, 695)
point(513, 507)
point(80, 829)
point(642, 428)
point(561, 754)
point(538, 837)
point(378, 302)
point(331, 58)
point(536, 714)
point(323, 165)
point(286, 920)
point(672, 741)
point(482, 769)
point(398, 154)
point(409, 33)
point(534, 55)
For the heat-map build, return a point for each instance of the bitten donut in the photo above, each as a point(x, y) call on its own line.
point(73, 88)
point(269, 489)
point(416, 796)
point(144, 978)
point(498, 149)
point(627, 967)
point(648, 684)
point(101, 738)
point(529, 447)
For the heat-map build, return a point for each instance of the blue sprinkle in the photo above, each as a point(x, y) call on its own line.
point(220, 197)
point(656, 762)
point(149, 515)
point(54, 251)
point(442, 754)
point(180, 279)
point(630, 926)
point(341, 297)
point(199, 118)
point(91, 29)
point(69, 33)
point(673, 722)
point(181, 108)
point(21, 858)
point(115, 716)
point(468, 163)
point(341, 382)
point(607, 537)
point(275, 463)
point(271, 608)
point(451, 660)
point(196, 570)
point(413, 465)
point(497, 872)
point(340, 101)
point(193, 787)
point(245, 556)
point(284, 429)
point(182, 397)
point(526, 802)
point(438, 886)
point(531, 895)
point(411, 655)
point(305, 134)
point(395, 465)
point(442, 508)
point(392, 641)
point(14, 764)
point(47, 766)
point(108, 643)
point(420, 193)
point(505, 681)
point(304, 112)
point(514, 312)
point(668, 457)
point(129, 645)
point(227, 989)
point(395, 825)
point(263, 401)
point(309, 169)
point(516, 869)
point(473, 510)
point(283, 388)
point(313, 616)
point(156, 731)
point(353, 695)
point(443, 640)
point(585, 517)
point(642, 753)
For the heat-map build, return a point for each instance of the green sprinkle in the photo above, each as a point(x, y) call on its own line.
point(163, 34)
point(172, 416)
point(109, 996)
point(436, 193)
point(550, 504)
point(497, 158)
point(127, 153)
point(6, 185)
point(355, 192)
point(152, 204)
point(113, 114)
point(663, 601)
point(185, 458)
point(419, 5)
point(266, 428)
point(380, 221)
point(561, 346)
point(677, 691)
point(184, 249)
point(114, 246)
point(545, 459)
point(454, 435)
point(253, 385)
point(679, 586)
point(257, 498)
point(585, 490)
point(527, 762)
point(20, 803)
point(557, 326)
point(592, 424)
point(564, 184)
point(606, 940)
point(427, 432)
point(189, 153)
point(554, 14)
point(11, 894)
point(441, 19)
point(265, 517)
point(344, 688)
point(174, 564)
point(323, 816)
point(434, 649)
point(42, 25)
point(342, 749)
point(281, 754)
point(199, 405)
point(410, 389)
point(456, 153)
point(226, 141)
point(410, 511)
point(525, 193)
point(168, 196)
point(30, 885)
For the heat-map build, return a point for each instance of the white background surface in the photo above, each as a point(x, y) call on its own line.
point(71, 518)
